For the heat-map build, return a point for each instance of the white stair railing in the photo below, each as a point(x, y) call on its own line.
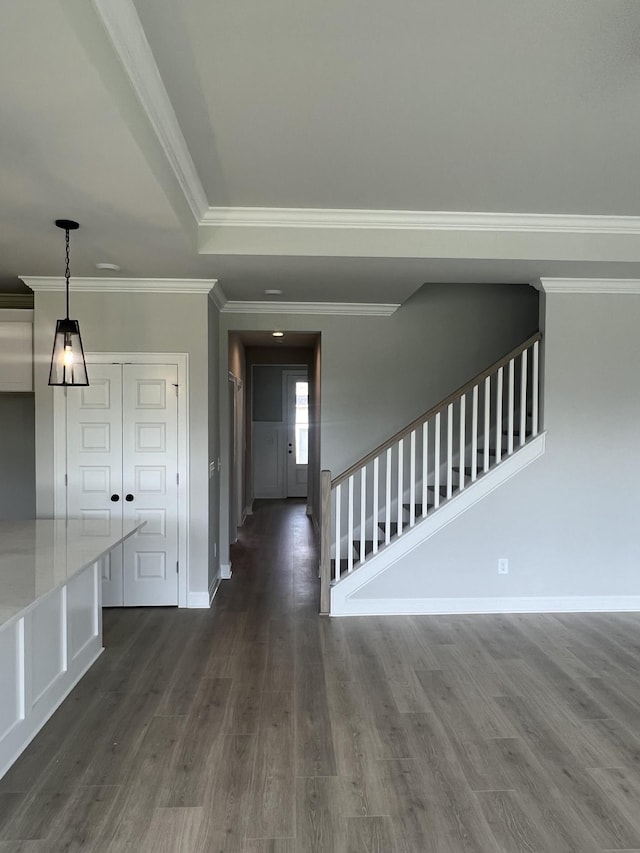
point(424, 465)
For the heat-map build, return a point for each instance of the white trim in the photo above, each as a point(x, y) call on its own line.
point(104, 284)
point(524, 604)
point(416, 220)
point(586, 285)
point(350, 309)
point(214, 586)
point(121, 22)
point(343, 591)
point(225, 571)
point(198, 601)
point(218, 296)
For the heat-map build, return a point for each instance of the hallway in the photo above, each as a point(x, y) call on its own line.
point(258, 727)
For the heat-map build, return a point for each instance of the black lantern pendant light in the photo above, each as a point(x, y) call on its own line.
point(68, 366)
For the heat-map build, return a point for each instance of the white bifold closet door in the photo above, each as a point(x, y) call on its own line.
point(122, 464)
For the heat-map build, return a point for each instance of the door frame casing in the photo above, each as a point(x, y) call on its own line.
point(181, 361)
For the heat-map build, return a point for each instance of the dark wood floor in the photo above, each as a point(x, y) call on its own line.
point(259, 727)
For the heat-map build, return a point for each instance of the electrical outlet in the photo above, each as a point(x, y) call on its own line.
point(503, 566)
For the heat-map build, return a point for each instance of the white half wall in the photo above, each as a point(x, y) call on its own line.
point(567, 524)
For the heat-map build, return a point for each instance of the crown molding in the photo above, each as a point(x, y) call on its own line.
point(417, 220)
point(120, 285)
point(586, 285)
point(218, 296)
point(16, 300)
point(122, 24)
point(349, 309)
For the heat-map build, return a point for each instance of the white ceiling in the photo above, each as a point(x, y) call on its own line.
point(417, 105)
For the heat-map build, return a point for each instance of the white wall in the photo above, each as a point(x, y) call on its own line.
point(137, 322)
point(569, 523)
point(378, 373)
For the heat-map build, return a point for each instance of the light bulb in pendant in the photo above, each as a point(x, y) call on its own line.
point(67, 358)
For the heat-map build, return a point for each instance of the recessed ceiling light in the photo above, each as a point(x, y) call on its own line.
point(278, 334)
point(273, 291)
point(105, 266)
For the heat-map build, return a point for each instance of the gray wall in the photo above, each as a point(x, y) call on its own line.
point(116, 322)
point(17, 456)
point(378, 373)
point(569, 523)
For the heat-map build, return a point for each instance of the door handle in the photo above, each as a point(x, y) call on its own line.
point(129, 497)
point(115, 498)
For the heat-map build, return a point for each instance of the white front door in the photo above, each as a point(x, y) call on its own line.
point(122, 463)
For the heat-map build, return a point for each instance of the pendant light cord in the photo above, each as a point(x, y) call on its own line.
point(67, 274)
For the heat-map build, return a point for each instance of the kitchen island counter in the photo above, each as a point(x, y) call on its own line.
point(50, 618)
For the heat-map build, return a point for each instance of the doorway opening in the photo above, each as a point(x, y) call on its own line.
point(274, 421)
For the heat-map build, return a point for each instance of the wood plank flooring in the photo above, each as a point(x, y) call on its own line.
point(259, 727)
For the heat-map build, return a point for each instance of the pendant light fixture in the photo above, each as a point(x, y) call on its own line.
point(68, 366)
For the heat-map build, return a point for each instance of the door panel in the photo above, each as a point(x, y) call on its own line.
point(150, 453)
point(94, 464)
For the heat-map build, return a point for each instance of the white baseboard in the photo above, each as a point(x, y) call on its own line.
point(214, 586)
point(197, 600)
point(248, 510)
point(457, 606)
point(225, 571)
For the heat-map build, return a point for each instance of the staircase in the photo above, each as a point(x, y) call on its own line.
point(430, 471)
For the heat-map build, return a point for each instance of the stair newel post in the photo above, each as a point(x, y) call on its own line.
point(325, 542)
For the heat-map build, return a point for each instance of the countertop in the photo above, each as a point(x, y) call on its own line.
point(39, 555)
